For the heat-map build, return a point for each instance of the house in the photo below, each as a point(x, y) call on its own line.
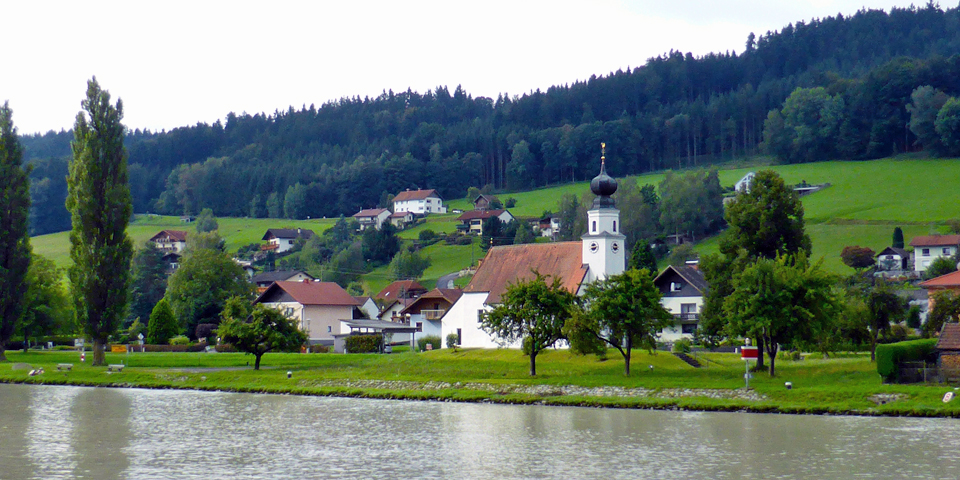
point(172, 261)
point(283, 239)
point(928, 248)
point(318, 307)
point(487, 202)
point(403, 289)
point(401, 219)
point(683, 289)
point(371, 217)
point(743, 185)
point(368, 306)
point(263, 280)
point(247, 267)
point(599, 254)
point(893, 258)
point(549, 226)
point(419, 202)
point(944, 283)
point(170, 241)
point(948, 350)
point(427, 311)
point(472, 221)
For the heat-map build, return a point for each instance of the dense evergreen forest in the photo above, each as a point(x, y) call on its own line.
point(676, 111)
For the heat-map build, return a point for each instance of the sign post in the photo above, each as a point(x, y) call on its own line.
point(748, 353)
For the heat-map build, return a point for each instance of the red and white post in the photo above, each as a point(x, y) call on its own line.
point(747, 353)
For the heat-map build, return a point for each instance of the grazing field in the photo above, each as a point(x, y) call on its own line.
point(842, 385)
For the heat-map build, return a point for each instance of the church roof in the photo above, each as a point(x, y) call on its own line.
point(510, 264)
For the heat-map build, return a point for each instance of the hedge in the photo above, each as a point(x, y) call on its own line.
point(363, 343)
point(891, 355)
point(431, 339)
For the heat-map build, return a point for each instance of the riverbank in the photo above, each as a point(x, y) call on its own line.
point(845, 385)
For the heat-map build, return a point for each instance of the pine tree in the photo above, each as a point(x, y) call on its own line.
point(897, 237)
point(98, 198)
point(14, 238)
point(642, 257)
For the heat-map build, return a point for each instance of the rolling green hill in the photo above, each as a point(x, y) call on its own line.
point(865, 202)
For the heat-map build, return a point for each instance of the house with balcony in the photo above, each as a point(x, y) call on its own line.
point(927, 248)
point(319, 308)
point(371, 218)
point(282, 240)
point(170, 241)
point(427, 311)
point(549, 226)
point(419, 202)
point(472, 221)
point(401, 219)
point(683, 289)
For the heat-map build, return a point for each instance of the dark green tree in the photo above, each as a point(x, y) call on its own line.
point(163, 324)
point(274, 205)
point(14, 236)
point(897, 238)
point(925, 103)
point(642, 258)
point(380, 245)
point(884, 307)
point(99, 201)
point(532, 312)
point(257, 209)
point(199, 289)
point(149, 281)
point(491, 233)
point(946, 309)
point(940, 266)
point(206, 222)
point(47, 308)
point(524, 233)
point(260, 331)
point(623, 311)
point(948, 126)
point(407, 265)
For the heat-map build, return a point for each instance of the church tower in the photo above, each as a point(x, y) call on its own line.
point(603, 244)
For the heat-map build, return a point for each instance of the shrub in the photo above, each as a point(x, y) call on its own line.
point(913, 317)
point(363, 343)
point(431, 339)
point(164, 348)
point(511, 202)
point(897, 333)
point(319, 349)
point(226, 348)
point(464, 240)
point(891, 355)
point(180, 340)
point(452, 340)
point(684, 345)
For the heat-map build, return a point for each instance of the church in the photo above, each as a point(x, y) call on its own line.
point(599, 254)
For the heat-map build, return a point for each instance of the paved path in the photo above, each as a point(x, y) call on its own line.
point(446, 281)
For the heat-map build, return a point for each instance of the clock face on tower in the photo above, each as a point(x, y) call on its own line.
point(594, 247)
point(615, 247)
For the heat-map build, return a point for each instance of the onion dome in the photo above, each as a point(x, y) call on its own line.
point(603, 185)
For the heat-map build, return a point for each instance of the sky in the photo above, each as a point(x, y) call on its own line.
point(176, 63)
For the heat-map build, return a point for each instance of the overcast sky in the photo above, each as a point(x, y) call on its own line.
point(176, 63)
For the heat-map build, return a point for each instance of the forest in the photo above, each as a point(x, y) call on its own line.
point(675, 111)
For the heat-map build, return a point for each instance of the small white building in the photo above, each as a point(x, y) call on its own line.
point(371, 217)
point(893, 259)
point(282, 240)
point(401, 219)
point(419, 202)
point(318, 307)
point(472, 221)
point(683, 289)
point(549, 226)
point(928, 248)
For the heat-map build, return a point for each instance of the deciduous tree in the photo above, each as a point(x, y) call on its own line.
point(206, 222)
point(642, 257)
point(857, 257)
point(47, 309)
point(99, 201)
point(14, 236)
point(260, 331)
point(163, 324)
point(199, 289)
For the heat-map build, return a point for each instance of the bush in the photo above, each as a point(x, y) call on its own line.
point(897, 333)
point(226, 348)
point(891, 355)
point(180, 340)
point(452, 340)
point(431, 339)
point(464, 240)
point(164, 348)
point(684, 345)
point(319, 349)
point(363, 343)
point(511, 202)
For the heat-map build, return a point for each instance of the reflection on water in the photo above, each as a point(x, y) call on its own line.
point(72, 432)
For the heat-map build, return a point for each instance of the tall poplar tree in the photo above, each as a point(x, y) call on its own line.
point(14, 239)
point(98, 198)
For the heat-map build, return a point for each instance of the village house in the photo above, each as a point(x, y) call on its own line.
point(281, 240)
point(371, 217)
point(599, 254)
point(168, 241)
point(397, 296)
point(318, 307)
point(368, 306)
point(401, 219)
point(683, 289)
point(419, 202)
point(427, 311)
point(549, 226)
point(893, 259)
point(928, 248)
point(944, 283)
point(472, 221)
point(487, 202)
point(264, 279)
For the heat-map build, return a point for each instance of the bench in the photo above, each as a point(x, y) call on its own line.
point(117, 368)
point(64, 366)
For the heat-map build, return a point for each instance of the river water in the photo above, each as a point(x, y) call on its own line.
point(49, 432)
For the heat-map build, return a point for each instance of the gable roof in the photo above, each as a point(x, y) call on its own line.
point(370, 212)
point(691, 275)
point(277, 276)
point(510, 264)
point(489, 198)
point(480, 214)
point(175, 235)
point(392, 291)
point(287, 233)
point(948, 280)
point(893, 251)
point(415, 195)
point(949, 337)
point(310, 293)
point(935, 241)
point(450, 295)
point(401, 215)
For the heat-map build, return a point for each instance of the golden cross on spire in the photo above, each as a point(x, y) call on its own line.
point(603, 153)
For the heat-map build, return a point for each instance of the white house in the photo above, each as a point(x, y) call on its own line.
point(549, 226)
point(283, 239)
point(893, 258)
point(472, 221)
point(372, 217)
point(744, 184)
point(401, 219)
point(170, 241)
point(318, 307)
point(368, 306)
point(928, 248)
point(419, 202)
point(683, 289)
point(264, 279)
point(599, 254)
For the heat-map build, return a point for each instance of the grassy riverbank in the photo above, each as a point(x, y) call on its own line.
point(846, 385)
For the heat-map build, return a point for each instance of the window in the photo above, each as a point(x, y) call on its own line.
point(419, 326)
point(689, 328)
point(946, 251)
point(479, 315)
point(614, 226)
point(329, 329)
point(594, 229)
point(926, 252)
point(688, 308)
point(676, 286)
point(459, 336)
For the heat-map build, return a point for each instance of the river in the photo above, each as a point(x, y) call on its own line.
point(49, 432)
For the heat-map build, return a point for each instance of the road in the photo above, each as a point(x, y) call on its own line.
point(446, 281)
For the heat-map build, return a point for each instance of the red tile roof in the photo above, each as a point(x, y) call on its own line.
point(515, 263)
point(312, 293)
point(401, 214)
point(415, 195)
point(392, 291)
point(949, 337)
point(479, 214)
point(948, 280)
point(370, 212)
point(935, 241)
point(175, 235)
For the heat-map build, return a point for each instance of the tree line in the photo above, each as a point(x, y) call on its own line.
point(675, 111)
